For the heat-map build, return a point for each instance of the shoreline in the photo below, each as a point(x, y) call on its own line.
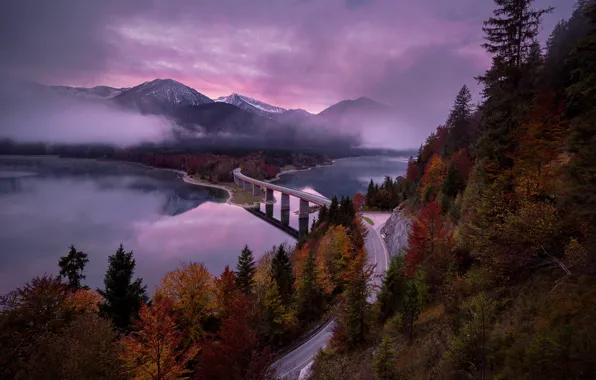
point(277, 176)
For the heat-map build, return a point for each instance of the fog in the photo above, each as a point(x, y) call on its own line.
point(31, 114)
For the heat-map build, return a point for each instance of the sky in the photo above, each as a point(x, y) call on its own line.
point(411, 55)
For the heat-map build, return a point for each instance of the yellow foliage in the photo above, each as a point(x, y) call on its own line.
point(192, 291)
point(434, 174)
point(84, 301)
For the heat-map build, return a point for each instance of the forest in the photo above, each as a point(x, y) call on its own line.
point(196, 324)
point(497, 280)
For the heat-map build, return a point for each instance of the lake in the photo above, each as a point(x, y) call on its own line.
point(49, 203)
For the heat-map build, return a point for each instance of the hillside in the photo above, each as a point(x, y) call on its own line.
point(495, 276)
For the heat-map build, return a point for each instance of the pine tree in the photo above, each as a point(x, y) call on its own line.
point(123, 296)
point(510, 35)
point(356, 301)
point(393, 288)
point(72, 266)
point(370, 194)
point(308, 292)
point(411, 310)
point(452, 184)
point(458, 122)
point(384, 361)
point(281, 269)
point(245, 270)
point(582, 98)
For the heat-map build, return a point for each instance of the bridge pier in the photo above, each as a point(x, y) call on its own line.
point(269, 210)
point(285, 217)
point(304, 212)
point(302, 226)
point(269, 196)
point(246, 186)
point(285, 201)
point(256, 190)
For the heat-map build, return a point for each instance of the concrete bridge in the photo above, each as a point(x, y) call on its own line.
point(257, 187)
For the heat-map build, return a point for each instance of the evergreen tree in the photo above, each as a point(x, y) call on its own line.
point(245, 270)
point(308, 292)
point(123, 296)
point(582, 139)
point(458, 122)
point(393, 288)
point(452, 184)
point(72, 266)
point(333, 210)
point(384, 361)
point(356, 301)
point(510, 35)
point(281, 268)
point(370, 194)
point(411, 309)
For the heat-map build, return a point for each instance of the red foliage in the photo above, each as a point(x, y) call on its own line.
point(412, 171)
point(462, 162)
point(359, 200)
point(234, 353)
point(430, 237)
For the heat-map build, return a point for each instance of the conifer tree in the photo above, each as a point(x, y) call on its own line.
point(393, 288)
point(452, 184)
point(72, 266)
point(245, 270)
point(281, 269)
point(458, 122)
point(411, 309)
point(384, 361)
point(510, 36)
point(123, 296)
point(308, 292)
point(582, 140)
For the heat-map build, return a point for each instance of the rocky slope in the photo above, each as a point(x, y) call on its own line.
point(395, 231)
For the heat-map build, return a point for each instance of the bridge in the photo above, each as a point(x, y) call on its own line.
point(248, 184)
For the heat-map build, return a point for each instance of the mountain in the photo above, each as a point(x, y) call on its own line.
point(160, 96)
point(97, 92)
point(251, 105)
point(349, 107)
point(296, 116)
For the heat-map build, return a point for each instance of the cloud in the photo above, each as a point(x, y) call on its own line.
point(32, 116)
point(294, 53)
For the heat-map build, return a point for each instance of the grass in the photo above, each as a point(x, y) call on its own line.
point(368, 220)
point(241, 197)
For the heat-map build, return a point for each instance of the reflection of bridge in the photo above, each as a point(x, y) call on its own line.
point(257, 187)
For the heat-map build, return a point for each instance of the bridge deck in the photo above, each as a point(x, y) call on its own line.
point(312, 198)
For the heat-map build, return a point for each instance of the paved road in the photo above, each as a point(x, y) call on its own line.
point(290, 366)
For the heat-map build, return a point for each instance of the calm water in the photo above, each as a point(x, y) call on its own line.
point(346, 176)
point(47, 204)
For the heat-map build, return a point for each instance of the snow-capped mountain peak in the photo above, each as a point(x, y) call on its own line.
point(170, 91)
point(251, 105)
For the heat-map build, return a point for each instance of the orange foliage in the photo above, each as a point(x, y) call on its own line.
point(462, 162)
point(359, 200)
point(430, 241)
point(412, 171)
point(153, 350)
point(84, 301)
point(434, 173)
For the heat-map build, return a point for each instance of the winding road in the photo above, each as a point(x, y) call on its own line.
point(294, 364)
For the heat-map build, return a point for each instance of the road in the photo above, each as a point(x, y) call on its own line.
point(291, 365)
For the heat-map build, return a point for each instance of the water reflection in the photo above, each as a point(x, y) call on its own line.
point(96, 205)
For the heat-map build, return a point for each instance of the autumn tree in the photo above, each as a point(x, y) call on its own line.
point(245, 270)
point(27, 313)
point(434, 174)
point(309, 295)
point(359, 201)
point(123, 296)
point(191, 289)
point(430, 241)
point(72, 266)
point(226, 291)
point(86, 348)
point(153, 351)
